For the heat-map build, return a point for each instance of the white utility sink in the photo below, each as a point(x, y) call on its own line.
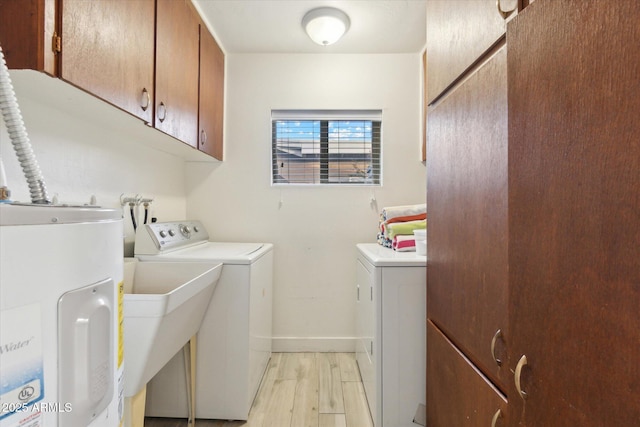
point(164, 304)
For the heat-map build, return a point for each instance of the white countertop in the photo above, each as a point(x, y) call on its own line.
point(380, 256)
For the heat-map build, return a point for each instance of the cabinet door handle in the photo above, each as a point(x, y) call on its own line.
point(358, 293)
point(496, 336)
point(145, 99)
point(521, 363)
point(371, 289)
point(203, 137)
point(162, 112)
point(504, 13)
point(497, 415)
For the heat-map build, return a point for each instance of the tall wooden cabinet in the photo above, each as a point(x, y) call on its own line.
point(467, 201)
point(467, 159)
point(574, 213)
point(534, 235)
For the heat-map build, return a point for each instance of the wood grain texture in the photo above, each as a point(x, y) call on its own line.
point(108, 50)
point(348, 367)
point(467, 197)
point(574, 224)
point(355, 403)
point(331, 398)
point(211, 96)
point(280, 404)
point(332, 420)
point(305, 408)
point(177, 68)
point(289, 395)
point(458, 33)
point(26, 30)
point(457, 394)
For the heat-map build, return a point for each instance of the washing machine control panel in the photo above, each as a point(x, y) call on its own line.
point(160, 237)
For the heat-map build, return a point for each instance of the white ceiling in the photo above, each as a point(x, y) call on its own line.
point(274, 26)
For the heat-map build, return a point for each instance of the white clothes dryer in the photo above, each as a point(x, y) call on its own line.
point(234, 341)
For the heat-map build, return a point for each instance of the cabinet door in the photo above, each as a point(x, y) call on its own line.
point(467, 199)
point(177, 48)
point(574, 184)
point(458, 33)
point(211, 109)
point(26, 32)
point(365, 330)
point(107, 50)
point(457, 394)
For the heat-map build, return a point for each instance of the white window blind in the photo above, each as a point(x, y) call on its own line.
point(326, 147)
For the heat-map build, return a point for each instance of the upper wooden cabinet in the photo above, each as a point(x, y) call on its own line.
point(211, 109)
point(107, 49)
point(142, 56)
point(177, 47)
point(458, 33)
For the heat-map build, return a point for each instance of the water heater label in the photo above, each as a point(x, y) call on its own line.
point(21, 368)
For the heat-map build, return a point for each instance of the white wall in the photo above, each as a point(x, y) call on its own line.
point(314, 229)
point(82, 155)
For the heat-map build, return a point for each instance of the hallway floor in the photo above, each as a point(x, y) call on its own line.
point(301, 390)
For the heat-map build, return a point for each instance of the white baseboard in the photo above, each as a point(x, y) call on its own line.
point(313, 344)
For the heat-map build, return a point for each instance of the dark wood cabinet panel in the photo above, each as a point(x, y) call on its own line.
point(467, 198)
point(26, 32)
point(211, 101)
point(458, 33)
point(574, 202)
point(177, 52)
point(108, 50)
point(457, 394)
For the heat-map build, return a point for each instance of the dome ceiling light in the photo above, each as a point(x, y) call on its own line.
point(325, 25)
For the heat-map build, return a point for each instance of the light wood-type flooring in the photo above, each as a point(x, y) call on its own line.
point(301, 390)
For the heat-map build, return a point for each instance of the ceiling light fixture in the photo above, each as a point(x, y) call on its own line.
point(325, 25)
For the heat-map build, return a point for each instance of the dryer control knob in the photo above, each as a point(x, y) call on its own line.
point(163, 233)
point(171, 232)
point(185, 230)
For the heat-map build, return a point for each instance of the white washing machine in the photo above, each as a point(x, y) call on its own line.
point(60, 342)
point(234, 341)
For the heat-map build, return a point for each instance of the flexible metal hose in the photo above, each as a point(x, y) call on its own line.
point(19, 138)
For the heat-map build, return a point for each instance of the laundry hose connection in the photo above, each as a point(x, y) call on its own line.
point(19, 138)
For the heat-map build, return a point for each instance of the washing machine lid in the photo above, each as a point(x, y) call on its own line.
point(31, 214)
point(225, 252)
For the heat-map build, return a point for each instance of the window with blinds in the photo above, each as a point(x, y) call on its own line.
point(326, 147)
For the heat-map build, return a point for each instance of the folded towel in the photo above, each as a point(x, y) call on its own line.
point(406, 218)
point(383, 241)
point(404, 243)
point(407, 210)
point(393, 229)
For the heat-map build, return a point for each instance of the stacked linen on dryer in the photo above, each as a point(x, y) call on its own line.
point(397, 224)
